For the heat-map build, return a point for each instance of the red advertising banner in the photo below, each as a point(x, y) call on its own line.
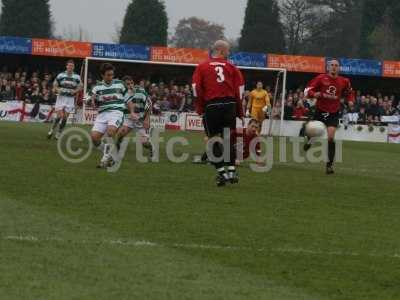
point(179, 55)
point(61, 48)
point(391, 69)
point(307, 64)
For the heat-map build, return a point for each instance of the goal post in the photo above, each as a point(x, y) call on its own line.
point(281, 72)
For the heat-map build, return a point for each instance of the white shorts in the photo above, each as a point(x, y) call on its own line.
point(65, 103)
point(105, 119)
point(137, 126)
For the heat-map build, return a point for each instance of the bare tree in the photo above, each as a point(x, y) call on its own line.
point(196, 33)
point(296, 18)
point(384, 41)
point(335, 29)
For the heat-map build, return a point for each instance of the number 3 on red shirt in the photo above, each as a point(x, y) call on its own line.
point(220, 74)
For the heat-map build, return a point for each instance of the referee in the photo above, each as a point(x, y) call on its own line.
point(218, 86)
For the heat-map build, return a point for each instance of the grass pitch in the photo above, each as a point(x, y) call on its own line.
point(164, 231)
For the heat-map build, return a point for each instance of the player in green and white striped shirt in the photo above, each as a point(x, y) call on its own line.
point(138, 118)
point(109, 96)
point(66, 86)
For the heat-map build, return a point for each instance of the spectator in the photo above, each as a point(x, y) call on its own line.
point(362, 116)
point(34, 95)
point(277, 111)
point(300, 112)
point(387, 109)
point(46, 97)
point(288, 114)
point(362, 103)
point(187, 99)
point(351, 116)
point(7, 92)
point(164, 104)
point(373, 113)
point(19, 91)
point(173, 98)
point(358, 96)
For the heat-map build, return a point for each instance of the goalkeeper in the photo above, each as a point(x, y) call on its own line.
point(259, 103)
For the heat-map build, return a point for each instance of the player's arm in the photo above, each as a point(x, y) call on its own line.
point(124, 89)
point(249, 104)
point(198, 91)
point(79, 87)
point(93, 97)
point(93, 100)
point(148, 108)
point(267, 100)
point(132, 107)
point(313, 89)
point(147, 114)
point(146, 121)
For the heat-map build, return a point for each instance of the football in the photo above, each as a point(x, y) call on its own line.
point(315, 129)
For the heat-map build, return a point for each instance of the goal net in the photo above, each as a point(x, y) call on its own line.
point(273, 78)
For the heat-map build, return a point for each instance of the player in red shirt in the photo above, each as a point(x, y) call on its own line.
point(219, 87)
point(243, 139)
point(328, 89)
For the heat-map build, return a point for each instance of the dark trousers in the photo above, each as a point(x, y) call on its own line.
point(220, 120)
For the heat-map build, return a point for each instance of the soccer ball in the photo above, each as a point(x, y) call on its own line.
point(315, 129)
point(265, 109)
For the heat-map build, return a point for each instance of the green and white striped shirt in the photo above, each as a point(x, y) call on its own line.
point(142, 102)
point(110, 96)
point(68, 83)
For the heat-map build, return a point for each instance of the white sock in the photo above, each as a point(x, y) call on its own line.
point(231, 171)
point(105, 149)
point(101, 147)
point(221, 171)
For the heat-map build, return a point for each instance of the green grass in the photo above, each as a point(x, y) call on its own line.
point(164, 231)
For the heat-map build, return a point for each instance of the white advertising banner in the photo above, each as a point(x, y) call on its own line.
point(390, 119)
point(194, 122)
point(394, 134)
point(158, 122)
point(11, 111)
point(87, 117)
point(38, 113)
point(172, 120)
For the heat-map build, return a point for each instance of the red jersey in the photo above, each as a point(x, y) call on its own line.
point(242, 142)
point(331, 90)
point(217, 79)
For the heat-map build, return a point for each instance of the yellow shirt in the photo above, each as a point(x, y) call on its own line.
point(259, 99)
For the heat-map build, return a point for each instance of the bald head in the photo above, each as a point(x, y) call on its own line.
point(221, 49)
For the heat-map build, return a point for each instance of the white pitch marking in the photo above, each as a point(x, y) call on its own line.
point(134, 243)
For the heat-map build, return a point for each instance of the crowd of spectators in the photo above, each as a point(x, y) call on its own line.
point(31, 88)
point(367, 109)
point(37, 88)
point(164, 96)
